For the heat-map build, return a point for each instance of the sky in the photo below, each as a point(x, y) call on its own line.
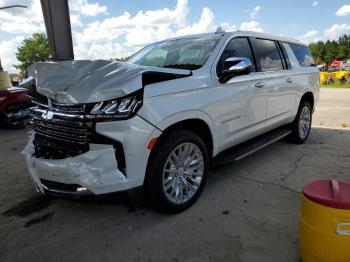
point(105, 29)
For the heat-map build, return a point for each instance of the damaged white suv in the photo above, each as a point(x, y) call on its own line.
point(168, 114)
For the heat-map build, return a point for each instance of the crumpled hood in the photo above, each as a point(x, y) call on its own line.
point(89, 81)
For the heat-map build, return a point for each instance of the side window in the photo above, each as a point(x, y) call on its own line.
point(302, 53)
point(237, 47)
point(268, 56)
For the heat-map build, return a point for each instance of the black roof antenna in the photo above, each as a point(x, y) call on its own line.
point(219, 30)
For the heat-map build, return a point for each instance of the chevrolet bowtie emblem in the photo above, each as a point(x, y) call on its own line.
point(48, 114)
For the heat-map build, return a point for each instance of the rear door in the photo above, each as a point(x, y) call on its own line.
point(242, 98)
point(306, 74)
point(280, 91)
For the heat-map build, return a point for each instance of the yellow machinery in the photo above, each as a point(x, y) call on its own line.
point(325, 222)
point(341, 75)
point(325, 78)
point(329, 77)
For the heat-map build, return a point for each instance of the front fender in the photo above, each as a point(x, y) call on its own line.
point(188, 115)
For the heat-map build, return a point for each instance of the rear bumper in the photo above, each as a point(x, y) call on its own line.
point(96, 171)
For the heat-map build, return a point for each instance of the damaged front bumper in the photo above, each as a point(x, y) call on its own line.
point(95, 171)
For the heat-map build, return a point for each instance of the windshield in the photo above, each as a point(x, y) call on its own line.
point(187, 53)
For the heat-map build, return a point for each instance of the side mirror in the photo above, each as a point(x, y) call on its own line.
point(235, 66)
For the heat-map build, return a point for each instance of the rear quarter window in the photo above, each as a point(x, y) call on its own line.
point(303, 54)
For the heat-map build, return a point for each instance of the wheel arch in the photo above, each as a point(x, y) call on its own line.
point(197, 126)
point(11, 99)
point(197, 122)
point(309, 97)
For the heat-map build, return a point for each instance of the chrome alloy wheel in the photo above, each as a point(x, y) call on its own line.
point(304, 122)
point(183, 173)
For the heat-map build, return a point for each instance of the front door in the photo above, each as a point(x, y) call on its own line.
point(243, 98)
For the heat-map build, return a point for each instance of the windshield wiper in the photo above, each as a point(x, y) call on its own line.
point(183, 66)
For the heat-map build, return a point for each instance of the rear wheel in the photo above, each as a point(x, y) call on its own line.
point(177, 172)
point(302, 123)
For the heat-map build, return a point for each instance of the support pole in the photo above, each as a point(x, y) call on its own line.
point(58, 28)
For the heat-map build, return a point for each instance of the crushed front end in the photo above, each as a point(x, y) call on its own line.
point(87, 137)
point(72, 151)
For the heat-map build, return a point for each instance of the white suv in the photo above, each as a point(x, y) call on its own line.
point(162, 119)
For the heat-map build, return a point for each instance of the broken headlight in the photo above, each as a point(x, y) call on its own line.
point(120, 108)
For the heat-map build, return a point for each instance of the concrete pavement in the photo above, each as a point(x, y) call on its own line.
point(248, 211)
point(333, 110)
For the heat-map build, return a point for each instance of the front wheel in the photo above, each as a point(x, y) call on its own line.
point(177, 171)
point(302, 123)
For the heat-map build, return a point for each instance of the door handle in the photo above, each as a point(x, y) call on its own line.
point(259, 85)
point(289, 80)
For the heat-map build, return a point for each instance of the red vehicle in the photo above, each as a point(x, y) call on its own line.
point(14, 106)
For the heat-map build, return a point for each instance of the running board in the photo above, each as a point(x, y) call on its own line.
point(246, 148)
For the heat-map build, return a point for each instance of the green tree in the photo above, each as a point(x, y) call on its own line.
point(32, 50)
point(326, 52)
point(344, 47)
point(331, 51)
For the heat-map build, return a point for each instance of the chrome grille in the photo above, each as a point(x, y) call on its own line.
point(69, 108)
point(65, 133)
point(68, 133)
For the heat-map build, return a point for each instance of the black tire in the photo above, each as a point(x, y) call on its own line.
point(14, 125)
point(9, 122)
point(154, 189)
point(296, 136)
